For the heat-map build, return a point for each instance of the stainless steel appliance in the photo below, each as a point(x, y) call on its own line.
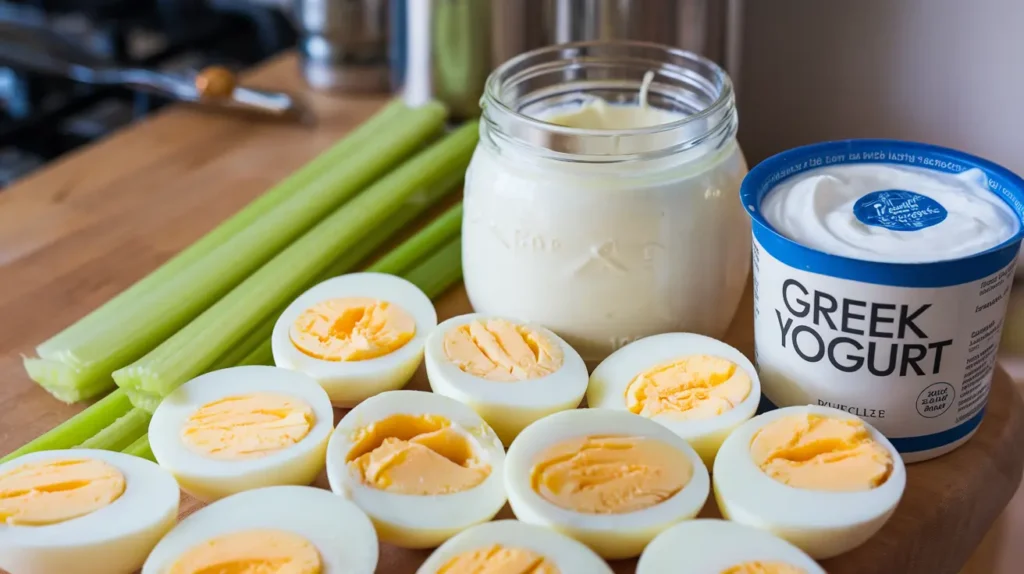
point(446, 48)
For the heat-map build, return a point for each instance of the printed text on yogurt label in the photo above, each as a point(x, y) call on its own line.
point(826, 323)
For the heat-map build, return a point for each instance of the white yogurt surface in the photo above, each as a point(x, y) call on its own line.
point(890, 213)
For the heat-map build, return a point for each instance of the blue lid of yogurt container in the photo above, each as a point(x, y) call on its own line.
point(768, 174)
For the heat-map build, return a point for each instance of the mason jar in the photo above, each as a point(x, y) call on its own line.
point(604, 235)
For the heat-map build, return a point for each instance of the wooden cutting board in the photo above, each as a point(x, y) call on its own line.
point(79, 231)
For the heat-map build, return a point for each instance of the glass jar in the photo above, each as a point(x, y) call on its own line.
point(606, 236)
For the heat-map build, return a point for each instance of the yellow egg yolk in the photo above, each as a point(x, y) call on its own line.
point(691, 388)
point(416, 454)
point(352, 329)
point(497, 559)
point(49, 492)
point(821, 453)
point(759, 567)
point(499, 350)
point(251, 552)
point(247, 426)
point(609, 474)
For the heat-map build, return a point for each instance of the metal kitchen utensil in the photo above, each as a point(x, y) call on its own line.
point(445, 49)
point(343, 44)
point(38, 48)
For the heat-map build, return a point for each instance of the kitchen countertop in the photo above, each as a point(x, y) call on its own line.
point(77, 232)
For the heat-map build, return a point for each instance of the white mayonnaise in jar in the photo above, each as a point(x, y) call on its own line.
point(882, 271)
point(603, 213)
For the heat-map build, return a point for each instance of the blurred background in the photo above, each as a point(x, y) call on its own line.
point(947, 72)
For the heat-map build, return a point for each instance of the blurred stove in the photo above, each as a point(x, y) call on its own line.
point(42, 117)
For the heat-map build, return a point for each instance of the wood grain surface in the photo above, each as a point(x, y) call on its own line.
point(78, 232)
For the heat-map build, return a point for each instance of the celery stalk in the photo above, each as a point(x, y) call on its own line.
point(80, 370)
point(140, 448)
point(439, 271)
point(80, 427)
point(396, 262)
point(196, 347)
point(122, 433)
point(57, 346)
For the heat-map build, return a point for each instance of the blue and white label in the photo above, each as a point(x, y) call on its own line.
point(899, 210)
point(914, 362)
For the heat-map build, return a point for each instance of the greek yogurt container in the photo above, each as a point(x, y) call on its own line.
point(882, 271)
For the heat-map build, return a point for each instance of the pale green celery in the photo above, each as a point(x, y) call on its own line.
point(165, 308)
point(144, 400)
point(80, 427)
point(253, 340)
point(60, 344)
point(193, 349)
point(440, 271)
point(396, 262)
point(140, 448)
point(122, 433)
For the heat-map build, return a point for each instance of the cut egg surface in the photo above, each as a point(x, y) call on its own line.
point(510, 372)
point(698, 387)
point(817, 477)
point(357, 335)
point(293, 529)
point(609, 479)
point(67, 511)
point(513, 547)
point(242, 428)
point(710, 546)
point(421, 465)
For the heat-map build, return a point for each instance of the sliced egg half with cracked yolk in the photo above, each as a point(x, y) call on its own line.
point(422, 466)
point(711, 546)
point(610, 479)
point(818, 477)
point(699, 387)
point(357, 335)
point(242, 428)
point(286, 529)
point(68, 511)
point(511, 373)
point(513, 547)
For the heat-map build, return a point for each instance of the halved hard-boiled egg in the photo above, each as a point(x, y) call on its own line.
point(422, 466)
point(817, 477)
point(242, 428)
point(357, 335)
point(610, 479)
point(513, 547)
point(699, 387)
point(709, 546)
point(73, 511)
point(294, 529)
point(511, 373)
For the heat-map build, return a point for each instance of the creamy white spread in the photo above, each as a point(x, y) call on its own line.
point(890, 213)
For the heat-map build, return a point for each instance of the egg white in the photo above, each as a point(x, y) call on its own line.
point(209, 479)
point(117, 536)
point(341, 533)
point(507, 406)
point(413, 521)
point(349, 382)
point(822, 524)
point(709, 546)
point(611, 378)
point(568, 555)
point(612, 536)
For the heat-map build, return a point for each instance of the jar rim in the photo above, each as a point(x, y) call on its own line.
point(723, 83)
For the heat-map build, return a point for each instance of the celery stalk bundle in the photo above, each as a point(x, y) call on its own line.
point(196, 347)
point(76, 364)
point(112, 423)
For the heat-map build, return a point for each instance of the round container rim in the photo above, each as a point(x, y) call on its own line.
point(753, 191)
